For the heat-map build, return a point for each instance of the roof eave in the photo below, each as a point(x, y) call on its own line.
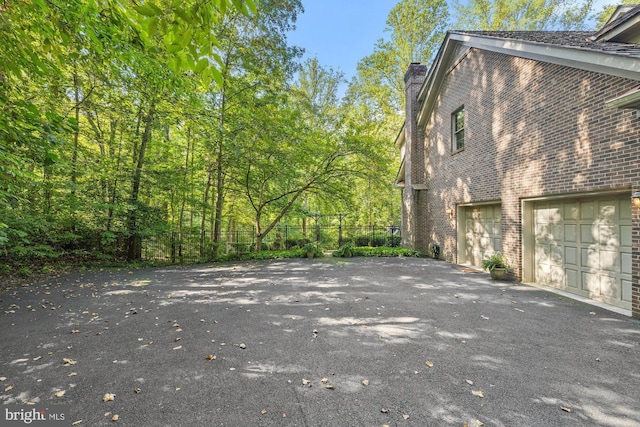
point(400, 178)
point(595, 61)
point(628, 100)
point(400, 139)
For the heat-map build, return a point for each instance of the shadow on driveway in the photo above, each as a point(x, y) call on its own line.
point(358, 342)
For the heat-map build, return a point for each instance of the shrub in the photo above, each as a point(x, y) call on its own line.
point(24, 272)
point(494, 261)
point(345, 251)
point(393, 241)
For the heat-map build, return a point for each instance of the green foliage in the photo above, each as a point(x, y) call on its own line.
point(381, 251)
point(313, 249)
point(607, 10)
point(522, 15)
point(262, 255)
point(345, 251)
point(493, 261)
point(5, 269)
point(24, 272)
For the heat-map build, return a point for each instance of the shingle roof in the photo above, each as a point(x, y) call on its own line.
point(570, 39)
point(633, 11)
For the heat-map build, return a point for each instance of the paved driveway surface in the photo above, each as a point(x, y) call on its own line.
point(361, 342)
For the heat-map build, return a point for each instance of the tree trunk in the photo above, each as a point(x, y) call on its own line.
point(134, 246)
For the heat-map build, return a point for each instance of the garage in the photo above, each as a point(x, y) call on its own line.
point(583, 246)
point(482, 232)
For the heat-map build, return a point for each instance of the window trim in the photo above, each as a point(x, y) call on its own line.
point(455, 132)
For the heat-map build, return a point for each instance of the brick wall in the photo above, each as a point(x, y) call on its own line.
point(635, 259)
point(413, 158)
point(531, 129)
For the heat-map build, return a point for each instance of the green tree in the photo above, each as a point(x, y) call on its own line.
point(602, 16)
point(522, 15)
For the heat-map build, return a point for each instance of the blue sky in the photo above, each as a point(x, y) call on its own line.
point(341, 32)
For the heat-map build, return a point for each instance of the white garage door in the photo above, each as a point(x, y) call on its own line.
point(583, 246)
point(483, 232)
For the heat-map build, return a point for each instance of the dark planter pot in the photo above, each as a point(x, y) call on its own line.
point(498, 273)
point(309, 254)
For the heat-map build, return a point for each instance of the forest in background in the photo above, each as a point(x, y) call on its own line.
point(121, 120)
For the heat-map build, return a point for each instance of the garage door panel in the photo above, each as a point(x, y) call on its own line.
point(625, 211)
point(609, 288)
point(608, 235)
point(541, 232)
point(571, 255)
point(556, 255)
point(589, 258)
point(625, 236)
point(556, 232)
point(587, 233)
point(608, 210)
point(482, 232)
point(571, 233)
point(587, 211)
point(555, 213)
point(573, 278)
point(609, 261)
point(584, 246)
point(571, 211)
point(590, 284)
point(625, 263)
point(542, 254)
point(557, 276)
point(626, 290)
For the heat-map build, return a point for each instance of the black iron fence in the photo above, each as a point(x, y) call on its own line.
point(197, 246)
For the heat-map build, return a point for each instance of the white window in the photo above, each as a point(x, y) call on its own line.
point(457, 130)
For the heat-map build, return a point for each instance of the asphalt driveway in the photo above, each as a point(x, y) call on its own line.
point(358, 342)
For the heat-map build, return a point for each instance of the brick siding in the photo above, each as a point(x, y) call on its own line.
point(532, 129)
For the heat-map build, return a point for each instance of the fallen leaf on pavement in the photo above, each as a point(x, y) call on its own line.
point(9, 388)
point(137, 390)
point(429, 364)
point(3, 379)
point(480, 423)
point(477, 393)
point(384, 411)
point(306, 382)
point(406, 417)
point(72, 374)
point(75, 423)
point(210, 357)
point(329, 387)
point(324, 380)
point(116, 417)
point(60, 393)
point(75, 331)
point(565, 409)
point(108, 397)
point(469, 382)
point(69, 362)
point(177, 347)
point(365, 383)
point(243, 346)
point(264, 411)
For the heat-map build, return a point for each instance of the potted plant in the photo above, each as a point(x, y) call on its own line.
point(311, 250)
point(496, 265)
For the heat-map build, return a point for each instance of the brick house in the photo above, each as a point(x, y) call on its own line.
point(528, 143)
